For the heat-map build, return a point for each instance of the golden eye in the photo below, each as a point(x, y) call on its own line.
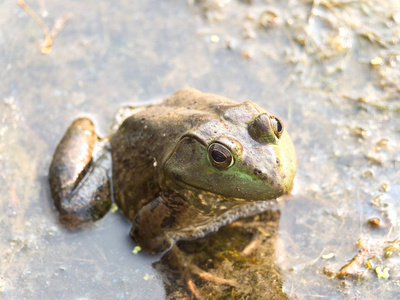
point(276, 126)
point(220, 156)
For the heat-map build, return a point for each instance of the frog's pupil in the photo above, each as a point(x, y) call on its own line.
point(218, 156)
point(279, 125)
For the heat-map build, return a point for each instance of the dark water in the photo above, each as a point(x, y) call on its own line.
point(330, 69)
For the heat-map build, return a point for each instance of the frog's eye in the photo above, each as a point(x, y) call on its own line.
point(220, 156)
point(276, 126)
point(265, 128)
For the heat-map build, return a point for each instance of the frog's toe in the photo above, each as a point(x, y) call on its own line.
point(182, 262)
point(150, 243)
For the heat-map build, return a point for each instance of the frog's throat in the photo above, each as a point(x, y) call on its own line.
point(227, 217)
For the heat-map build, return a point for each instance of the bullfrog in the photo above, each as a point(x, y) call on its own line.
point(178, 169)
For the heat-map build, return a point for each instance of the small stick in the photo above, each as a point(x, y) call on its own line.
point(45, 47)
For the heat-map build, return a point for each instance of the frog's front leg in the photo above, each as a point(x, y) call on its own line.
point(79, 175)
point(159, 224)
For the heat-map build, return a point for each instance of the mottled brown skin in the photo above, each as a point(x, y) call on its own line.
point(167, 177)
point(72, 162)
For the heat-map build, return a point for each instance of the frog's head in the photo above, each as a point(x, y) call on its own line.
point(242, 152)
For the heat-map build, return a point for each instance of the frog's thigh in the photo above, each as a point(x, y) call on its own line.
point(90, 199)
point(156, 225)
point(80, 187)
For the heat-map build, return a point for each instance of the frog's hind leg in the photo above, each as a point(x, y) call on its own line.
point(79, 175)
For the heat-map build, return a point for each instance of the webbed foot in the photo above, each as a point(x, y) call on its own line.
point(190, 273)
point(79, 175)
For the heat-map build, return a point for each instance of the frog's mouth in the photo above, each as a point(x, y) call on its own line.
point(195, 188)
point(207, 193)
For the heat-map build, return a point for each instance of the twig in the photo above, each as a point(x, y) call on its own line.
point(45, 47)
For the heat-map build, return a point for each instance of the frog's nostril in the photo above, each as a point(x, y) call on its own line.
point(257, 172)
point(260, 174)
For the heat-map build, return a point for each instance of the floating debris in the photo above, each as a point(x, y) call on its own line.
point(136, 250)
point(248, 53)
point(377, 201)
point(214, 38)
point(374, 159)
point(360, 132)
point(342, 41)
point(376, 61)
point(114, 207)
point(367, 174)
point(328, 256)
point(375, 222)
point(383, 188)
point(381, 144)
point(396, 17)
point(371, 253)
point(382, 273)
point(268, 19)
point(392, 248)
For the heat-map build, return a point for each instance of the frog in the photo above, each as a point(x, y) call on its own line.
point(178, 169)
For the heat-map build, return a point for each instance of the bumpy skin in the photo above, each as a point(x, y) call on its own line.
point(80, 187)
point(165, 178)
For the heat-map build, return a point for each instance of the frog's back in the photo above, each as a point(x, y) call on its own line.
point(161, 125)
point(195, 100)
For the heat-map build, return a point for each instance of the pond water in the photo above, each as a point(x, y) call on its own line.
point(331, 71)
